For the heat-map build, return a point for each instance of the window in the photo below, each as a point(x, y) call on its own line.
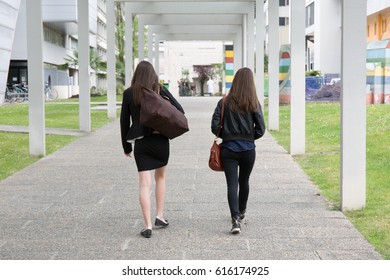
point(310, 15)
point(284, 21)
point(53, 36)
point(283, 3)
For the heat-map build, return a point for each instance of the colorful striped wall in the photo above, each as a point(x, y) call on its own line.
point(229, 67)
point(284, 74)
point(378, 72)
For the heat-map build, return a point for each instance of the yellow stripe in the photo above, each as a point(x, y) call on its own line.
point(229, 53)
point(282, 76)
point(387, 71)
point(229, 79)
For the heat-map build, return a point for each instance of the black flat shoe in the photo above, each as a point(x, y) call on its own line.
point(147, 233)
point(160, 223)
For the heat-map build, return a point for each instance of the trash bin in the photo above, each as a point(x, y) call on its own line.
point(166, 85)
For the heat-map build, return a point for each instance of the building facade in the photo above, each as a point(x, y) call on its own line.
point(60, 44)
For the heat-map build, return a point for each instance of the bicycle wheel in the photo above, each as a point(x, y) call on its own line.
point(9, 96)
point(53, 94)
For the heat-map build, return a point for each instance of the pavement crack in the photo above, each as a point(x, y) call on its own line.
point(27, 223)
point(317, 254)
point(64, 193)
point(47, 208)
point(125, 244)
point(247, 245)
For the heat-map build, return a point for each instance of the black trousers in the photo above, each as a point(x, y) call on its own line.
point(238, 168)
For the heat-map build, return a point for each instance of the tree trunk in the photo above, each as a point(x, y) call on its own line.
point(201, 88)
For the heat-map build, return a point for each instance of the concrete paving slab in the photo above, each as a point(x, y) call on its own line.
point(81, 202)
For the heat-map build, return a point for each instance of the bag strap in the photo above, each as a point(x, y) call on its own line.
point(222, 115)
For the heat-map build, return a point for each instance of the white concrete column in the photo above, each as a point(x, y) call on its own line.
point(238, 42)
point(327, 32)
point(273, 65)
point(128, 45)
point(150, 46)
point(111, 60)
point(297, 122)
point(244, 40)
point(141, 38)
point(157, 55)
point(251, 39)
point(83, 48)
point(353, 105)
point(36, 109)
point(260, 34)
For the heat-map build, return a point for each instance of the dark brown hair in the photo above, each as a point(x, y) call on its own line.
point(242, 96)
point(144, 76)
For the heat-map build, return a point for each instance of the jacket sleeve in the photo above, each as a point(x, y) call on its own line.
point(258, 120)
point(125, 122)
point(216, 119)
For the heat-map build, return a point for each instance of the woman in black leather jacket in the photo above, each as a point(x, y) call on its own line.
point(243, 123)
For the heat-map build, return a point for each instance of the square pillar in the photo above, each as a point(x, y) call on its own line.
point(298, 103)
point(128, 45)
point(141, 38)
point(150, 47)
point(273, 65)
point(36, 108)
point(260, 34)
point(251, 39)
point(353, 105)
point(83, 47)
point(111, 60)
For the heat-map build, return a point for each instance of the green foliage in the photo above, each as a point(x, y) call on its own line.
point(95, 60)
point(119, 88)
point(322, 163)
point(313, 73)
point(14, 146)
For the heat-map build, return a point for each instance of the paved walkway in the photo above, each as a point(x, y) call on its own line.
point(82, 203)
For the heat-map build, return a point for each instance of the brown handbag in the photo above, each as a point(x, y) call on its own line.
point(215, 151)
point(158, 113)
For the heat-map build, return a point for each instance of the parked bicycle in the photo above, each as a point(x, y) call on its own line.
point(16, 93)
point(50, 93)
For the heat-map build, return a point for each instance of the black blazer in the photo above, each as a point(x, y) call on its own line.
point(131, 129)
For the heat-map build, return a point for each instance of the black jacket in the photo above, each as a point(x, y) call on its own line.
point(131, 129)
point(238, 126)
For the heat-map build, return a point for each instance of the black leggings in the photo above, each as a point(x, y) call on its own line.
point(237, 180)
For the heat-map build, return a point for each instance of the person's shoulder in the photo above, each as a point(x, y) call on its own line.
point(127, 91)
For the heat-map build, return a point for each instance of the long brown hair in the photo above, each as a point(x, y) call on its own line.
point(144, 76)
point(242, 96)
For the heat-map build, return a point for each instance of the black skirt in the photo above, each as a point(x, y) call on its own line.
point(151, 152)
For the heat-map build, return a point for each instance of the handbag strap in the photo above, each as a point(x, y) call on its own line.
point(222, 115)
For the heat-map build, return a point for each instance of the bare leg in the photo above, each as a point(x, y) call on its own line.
point(145, 182)
point(159, 176)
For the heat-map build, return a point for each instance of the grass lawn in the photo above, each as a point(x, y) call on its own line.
point(322, 163)
point(14, 147)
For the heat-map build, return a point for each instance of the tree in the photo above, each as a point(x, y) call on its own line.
point(120, 40)
point(205, 72)
point(95, 61)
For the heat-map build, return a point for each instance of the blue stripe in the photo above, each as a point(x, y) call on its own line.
point(285, 62)
point(229, 66)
